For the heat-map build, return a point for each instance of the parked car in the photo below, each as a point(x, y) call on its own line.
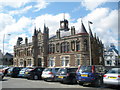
point(66, 75)
point(5, 70)
point(49, 74)
point(22, 71)
point(35, 73)
point(90, 74)
point(1, 76)
point(14, 71)
point(112, 77)
point(26, 74)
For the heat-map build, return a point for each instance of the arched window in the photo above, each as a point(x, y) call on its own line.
point(53, 48)
point(50, 48)
point(73, 45)
point(77, 45)
point(62, 47)
point(85, 45)
point(57, 47)
point(68, 47)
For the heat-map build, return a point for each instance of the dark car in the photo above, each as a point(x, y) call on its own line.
point(14, 71)
point(66, 75)
point(22, 71)
point(35, 73)
point(26, 74)
point(90, 74)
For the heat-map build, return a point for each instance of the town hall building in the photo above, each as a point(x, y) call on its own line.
point(67, 48)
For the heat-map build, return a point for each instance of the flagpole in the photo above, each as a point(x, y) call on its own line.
point(90, 43)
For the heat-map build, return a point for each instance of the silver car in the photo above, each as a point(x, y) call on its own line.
point(112, 77)
point(49, 74)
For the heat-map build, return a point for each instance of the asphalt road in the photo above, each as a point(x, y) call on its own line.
point(24, 83)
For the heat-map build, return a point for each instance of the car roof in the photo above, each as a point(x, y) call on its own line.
point(115, 69)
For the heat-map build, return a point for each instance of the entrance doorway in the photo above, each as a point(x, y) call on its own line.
point(39, 62)
point(24, 63)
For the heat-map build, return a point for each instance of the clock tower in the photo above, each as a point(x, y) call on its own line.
point(64, 25)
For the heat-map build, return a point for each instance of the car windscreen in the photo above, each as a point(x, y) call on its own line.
point(56, 69)
point(72, 69)
point(10, 69)
point(62, 71)
point(23, 69)
point(114, 71)
point(48, 69)
point(85, 69)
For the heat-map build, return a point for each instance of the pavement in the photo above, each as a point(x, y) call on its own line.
point(9, 82)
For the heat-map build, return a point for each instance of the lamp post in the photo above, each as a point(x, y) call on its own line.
point(3, 46)
point(90, 51)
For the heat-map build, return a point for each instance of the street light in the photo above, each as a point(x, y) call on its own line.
point(90, 34)
point(3, 46)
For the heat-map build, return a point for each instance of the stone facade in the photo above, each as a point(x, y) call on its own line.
point(66, 48)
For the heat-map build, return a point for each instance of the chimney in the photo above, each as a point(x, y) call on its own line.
point(58, 34)
point(72, 30)
point(26, 41)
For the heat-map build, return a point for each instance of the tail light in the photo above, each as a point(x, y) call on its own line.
point(119, 76)
point(3, 71)
point(104, 75)
point(50, 73)
point(68, 74)
point(93, 69)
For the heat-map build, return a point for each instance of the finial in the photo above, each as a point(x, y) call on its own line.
point(64, 16)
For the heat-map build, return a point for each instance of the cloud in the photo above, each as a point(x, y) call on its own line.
point(92, 4)
point(52, 21)
point(13, 3)
point(40, 5)
point(19, 4)
point(22, 24)
point(21, 11)
point(17, 28)
point(105, 24)
point(5, 19)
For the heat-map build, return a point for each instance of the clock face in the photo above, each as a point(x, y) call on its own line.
point(62, 25)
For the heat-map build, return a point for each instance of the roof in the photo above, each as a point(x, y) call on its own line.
point(82, 30)
point(112, 48)
point(8, 54)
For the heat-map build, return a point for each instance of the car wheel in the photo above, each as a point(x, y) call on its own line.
point(35, 77)
point(80, 83)
point(74, 81)
point(98, 82)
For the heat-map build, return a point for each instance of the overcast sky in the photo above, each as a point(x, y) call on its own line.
point(19, 17)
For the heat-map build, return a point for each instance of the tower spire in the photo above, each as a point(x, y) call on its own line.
point(83, 30)
point(35, 32)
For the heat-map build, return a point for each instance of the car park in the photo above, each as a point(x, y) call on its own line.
point(112, 77)
point(49, 74)
point(66, 75)
point(14, 71)
point(35, 73)
point(22, 71)
point(90, 74)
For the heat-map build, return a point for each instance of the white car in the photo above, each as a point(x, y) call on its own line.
point(49, 74)
point(112, 77)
